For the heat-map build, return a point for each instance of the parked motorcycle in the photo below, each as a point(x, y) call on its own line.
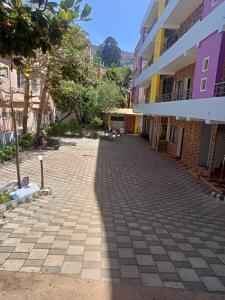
point(46, 142)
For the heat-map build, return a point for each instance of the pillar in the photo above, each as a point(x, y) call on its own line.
point(159, 43)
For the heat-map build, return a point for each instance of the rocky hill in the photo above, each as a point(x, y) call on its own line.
point(126, 57)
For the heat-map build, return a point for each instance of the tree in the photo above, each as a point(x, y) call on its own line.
point(72, 85)
point(121, 76)
point(109, 96)
point(35, 24)
point(109, 52)
point(31, 26)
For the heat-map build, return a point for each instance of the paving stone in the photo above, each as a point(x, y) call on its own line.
point(12, 264)
point(54, 261)
point(165, 267)
point(93, 256)
point(30, 269)
point(71, 268)
point(198, 262)
point(128, 271)
point(75, 250)
point(219, 270)
point(188, 275)
point(24, 247)
point(38, 254)
point(110, 263)
point(173, 285)
point(126, 253)
point(159, 250)
point(145, 260)
point(213, 284)
point(34, 263)
point(152, 280)
point(194, 286)
point(94, 274)
point(177, 256)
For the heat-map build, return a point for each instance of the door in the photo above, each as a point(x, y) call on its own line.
point(204, 149)
point(130, 124)
point(177, 88)
point(180, 142)
point(187, 88)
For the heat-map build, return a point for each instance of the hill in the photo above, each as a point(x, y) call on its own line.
point(126, 57)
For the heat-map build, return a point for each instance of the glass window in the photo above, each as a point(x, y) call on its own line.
point(203, 85)
point(205, 65)
point(20, 80)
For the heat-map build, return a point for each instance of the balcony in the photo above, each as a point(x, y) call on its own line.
point(220, 89)
point(183, 52)
point(176, 96)
point(190, 22)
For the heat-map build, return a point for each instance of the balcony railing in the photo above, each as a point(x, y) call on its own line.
point(220, 89)
point(176, 96)
point(191, 21)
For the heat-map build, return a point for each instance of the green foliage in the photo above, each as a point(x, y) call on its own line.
point(4, 198)
point(109, 96)
point(31, 25)
point(96, 122)
point(109, 52)
point(26, 141)
point(120, 75)
point(61, 129)
point(8, 152)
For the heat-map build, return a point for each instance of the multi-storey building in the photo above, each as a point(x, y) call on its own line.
point(14, 80)
point(179, 81)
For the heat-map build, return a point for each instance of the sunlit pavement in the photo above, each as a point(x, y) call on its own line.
point(119, 212)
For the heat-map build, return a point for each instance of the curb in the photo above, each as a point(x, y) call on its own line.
point(15, 203)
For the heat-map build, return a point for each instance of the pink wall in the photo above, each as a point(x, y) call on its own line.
point(210, 47)
point(208, 6)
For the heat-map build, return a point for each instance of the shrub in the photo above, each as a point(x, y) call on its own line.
point(96, 122)
point(26, 140)
point(4, 198)
point(61, 129)
point(74, 128)
point(7, 152)
point(57, 129)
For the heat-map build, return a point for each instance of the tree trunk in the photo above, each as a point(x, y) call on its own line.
point(26, 103)
point(66, 116)
point(43, 100)
point(16, 138)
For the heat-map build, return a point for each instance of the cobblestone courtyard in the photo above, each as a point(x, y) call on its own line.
point(119, 212)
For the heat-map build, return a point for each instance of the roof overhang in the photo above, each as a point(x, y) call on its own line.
point(210, 110)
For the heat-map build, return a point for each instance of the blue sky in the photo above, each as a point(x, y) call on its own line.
point(118, 18)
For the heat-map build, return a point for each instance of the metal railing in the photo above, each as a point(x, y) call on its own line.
point(176, 96)
point(219, 89)
point(191, 21)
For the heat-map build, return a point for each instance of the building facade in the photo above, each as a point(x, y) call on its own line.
point(13, 79)
point(179, 82)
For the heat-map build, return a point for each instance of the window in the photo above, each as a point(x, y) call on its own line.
point(4, 72)
point(20, 80)
point(205, 65)
point(114, 118)
point(214, 2)
point(172, 137)
point(34, 85)
point(19, 118)
point(163, 132)
point(203, 85)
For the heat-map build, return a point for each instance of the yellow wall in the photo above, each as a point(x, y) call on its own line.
point(159, 42)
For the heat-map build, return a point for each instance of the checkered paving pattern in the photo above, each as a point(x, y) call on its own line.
point(119, 212)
